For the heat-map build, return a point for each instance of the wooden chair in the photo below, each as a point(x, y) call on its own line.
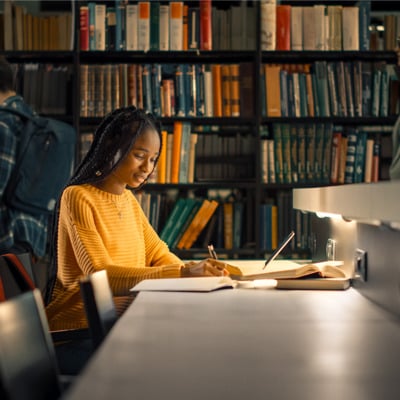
point(28, 367)
point(99, 305)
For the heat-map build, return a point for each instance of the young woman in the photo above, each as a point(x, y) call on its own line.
point(100, 224)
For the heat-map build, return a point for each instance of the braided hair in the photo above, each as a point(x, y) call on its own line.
point(113, 140)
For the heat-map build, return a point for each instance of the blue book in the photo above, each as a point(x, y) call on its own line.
point(376, 90)
point(290, 96)
point(190, 90)
point(156, 74)
point(322, 86)
point(200, 97)
point(120, 25)
point(364, 23)
point(180, 90)
point(146, 83)
point(284, 93)
point(384, 93)
point(92, 21)
point(359, 162)
point(366, 88)
point(350, 156)
point(303, 95)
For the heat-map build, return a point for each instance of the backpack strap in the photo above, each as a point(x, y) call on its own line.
point(15, 263)
point(16, 112)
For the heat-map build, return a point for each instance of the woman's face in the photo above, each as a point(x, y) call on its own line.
point(140, 161)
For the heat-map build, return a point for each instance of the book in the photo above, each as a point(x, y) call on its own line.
point(205, 16)
point(164, 27)
point(131, 30)
point(143, 40)
point(287, 269)
point(268, 25)
point(283, 39)
point(176, 25)
point(84, 28)
point(198, 284)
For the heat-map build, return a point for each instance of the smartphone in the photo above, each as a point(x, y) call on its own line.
point(281, 246)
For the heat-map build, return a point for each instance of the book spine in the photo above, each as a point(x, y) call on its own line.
point(111, 28)
point(146, 82)
point(120, 17)
point(283, 38)
point(176, 25)
point(156, 72)
point(84, 28)
point(100, 27)
point(205, 25)
point(131, 31)
point(164, 27)
point(350, 156)
point(154, 25)
point(144, 25)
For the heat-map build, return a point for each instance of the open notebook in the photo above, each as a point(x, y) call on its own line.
point(200, 284)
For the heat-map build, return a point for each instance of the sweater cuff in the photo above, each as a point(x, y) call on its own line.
point(172, 271)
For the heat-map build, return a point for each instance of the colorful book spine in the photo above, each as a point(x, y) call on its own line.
point(205, 24)
point(84, 28)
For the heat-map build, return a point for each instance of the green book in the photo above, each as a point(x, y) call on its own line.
point(172, 218)
point(180, 221)
point(154, 25)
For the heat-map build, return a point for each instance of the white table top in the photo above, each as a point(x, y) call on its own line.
point(247, 344)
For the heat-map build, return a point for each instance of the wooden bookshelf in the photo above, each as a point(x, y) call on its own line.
point(253, 126)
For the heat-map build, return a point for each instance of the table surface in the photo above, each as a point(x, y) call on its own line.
point(247, 344)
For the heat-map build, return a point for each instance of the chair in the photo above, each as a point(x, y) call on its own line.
point(28, 367)
point(99, 305)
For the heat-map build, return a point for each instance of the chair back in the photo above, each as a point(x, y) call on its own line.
point(28, 367)
point(16, 275)
point(99, 305)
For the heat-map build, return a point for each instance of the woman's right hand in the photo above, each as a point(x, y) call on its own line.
point(208, 267)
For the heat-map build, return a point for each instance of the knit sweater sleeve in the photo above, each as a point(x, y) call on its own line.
point(92, 238)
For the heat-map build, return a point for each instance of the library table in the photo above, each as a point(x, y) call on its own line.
point(247, 344)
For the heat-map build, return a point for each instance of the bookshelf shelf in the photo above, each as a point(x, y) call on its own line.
point(203, 57)
point(311, 56)
point(389, 120)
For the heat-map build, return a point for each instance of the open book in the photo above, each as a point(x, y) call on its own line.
point(200, 284)
point(292, 275)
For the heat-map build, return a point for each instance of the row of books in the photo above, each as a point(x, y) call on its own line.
point(167, 90)
point(145, 25)
point(161, 26)
point(320, 154)
point(24, 30)
point(319, 27)
point(337, 88)
point(188, 156)
point(191, 155)
point(223, 220)
point(45, 87)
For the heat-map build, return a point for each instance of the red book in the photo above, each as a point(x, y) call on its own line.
point(283, 27)
point(376, 160)
point(205, 25)
point(84, 28)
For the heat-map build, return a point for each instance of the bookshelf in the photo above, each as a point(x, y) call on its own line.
point(235, 175)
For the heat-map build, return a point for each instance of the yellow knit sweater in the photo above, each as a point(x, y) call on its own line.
point(99, 230)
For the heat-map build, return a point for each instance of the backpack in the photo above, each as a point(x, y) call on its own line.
point(44, 163)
